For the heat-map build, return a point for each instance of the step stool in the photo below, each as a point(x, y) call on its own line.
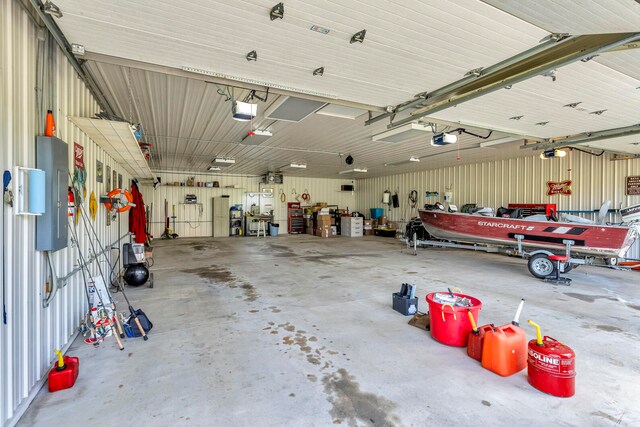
point(557, 279)
point(262, 227)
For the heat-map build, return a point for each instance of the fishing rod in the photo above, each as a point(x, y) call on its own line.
point(119, 285)
point(84, 266)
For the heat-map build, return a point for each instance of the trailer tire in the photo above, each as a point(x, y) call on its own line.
point(540, 266)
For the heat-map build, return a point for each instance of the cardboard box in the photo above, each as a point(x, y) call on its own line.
point(324, 220)
point(324, 231)
point(382, 221)
point(368, 232)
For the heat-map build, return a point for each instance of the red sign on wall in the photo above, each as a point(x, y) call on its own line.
point(563, 187)
point(78, 156)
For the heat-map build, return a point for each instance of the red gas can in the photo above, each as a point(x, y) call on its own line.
point(551, 366)
point(64, 372)
point(476, 339)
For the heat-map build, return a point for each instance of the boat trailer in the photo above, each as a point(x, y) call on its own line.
point(539, 264)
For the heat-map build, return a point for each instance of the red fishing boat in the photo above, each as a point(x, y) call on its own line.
point(606, 241)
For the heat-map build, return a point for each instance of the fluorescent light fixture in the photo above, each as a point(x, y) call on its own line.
point(294, 166)
point(214, 168)
point(412, 159)
point(292, 109)
point(256, 137)
point(354, 170)
point(552, 152)
point(222, 162)
point(402, 133)
point(257, 82)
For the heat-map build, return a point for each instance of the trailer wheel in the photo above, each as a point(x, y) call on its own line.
point(540, 266)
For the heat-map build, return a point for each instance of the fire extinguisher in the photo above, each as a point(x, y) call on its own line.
point(71, 205)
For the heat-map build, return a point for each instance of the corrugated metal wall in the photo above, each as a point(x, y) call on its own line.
point(191, 221)
point(32, 332)
point(521, 180)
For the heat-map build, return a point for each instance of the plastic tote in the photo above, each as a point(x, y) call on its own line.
point(273, 229)
point(376, 213)
point(450, 324)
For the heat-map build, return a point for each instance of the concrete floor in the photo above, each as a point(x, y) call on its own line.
point(298, 331)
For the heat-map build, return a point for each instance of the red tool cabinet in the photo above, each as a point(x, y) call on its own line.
point(295, 218)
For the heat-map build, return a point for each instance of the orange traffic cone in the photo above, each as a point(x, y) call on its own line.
point(50, 127)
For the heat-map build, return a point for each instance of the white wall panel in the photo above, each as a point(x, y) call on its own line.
point(189, 222)
point(521, 180)
point(32, 332)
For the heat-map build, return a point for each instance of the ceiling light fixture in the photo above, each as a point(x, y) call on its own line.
point(256, 137)
point(294, 165)
point(222, 162)
point(214, 168)
point(355, 170)
point(277, 12)
point(542, 123)
point(318, 71)
point(52, 9)
point(552, 152)
point(515, 117)
point(412, 159)
point(358, 37)
point(598, 113)
point(573, 104)
point(402, 133)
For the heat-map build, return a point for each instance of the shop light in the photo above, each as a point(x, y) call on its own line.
point(355, 170)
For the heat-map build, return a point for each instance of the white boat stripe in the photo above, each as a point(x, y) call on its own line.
point(562, 230)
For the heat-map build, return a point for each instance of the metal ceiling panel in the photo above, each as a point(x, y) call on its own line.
point(541, 100)
point(625, 144)
point(390, 65)
point(575, 16)
point(623, 62)
point(189, 124)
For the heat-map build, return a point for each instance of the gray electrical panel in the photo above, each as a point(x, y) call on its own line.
point(52, 156)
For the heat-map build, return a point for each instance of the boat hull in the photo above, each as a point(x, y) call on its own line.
point(596, 240)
